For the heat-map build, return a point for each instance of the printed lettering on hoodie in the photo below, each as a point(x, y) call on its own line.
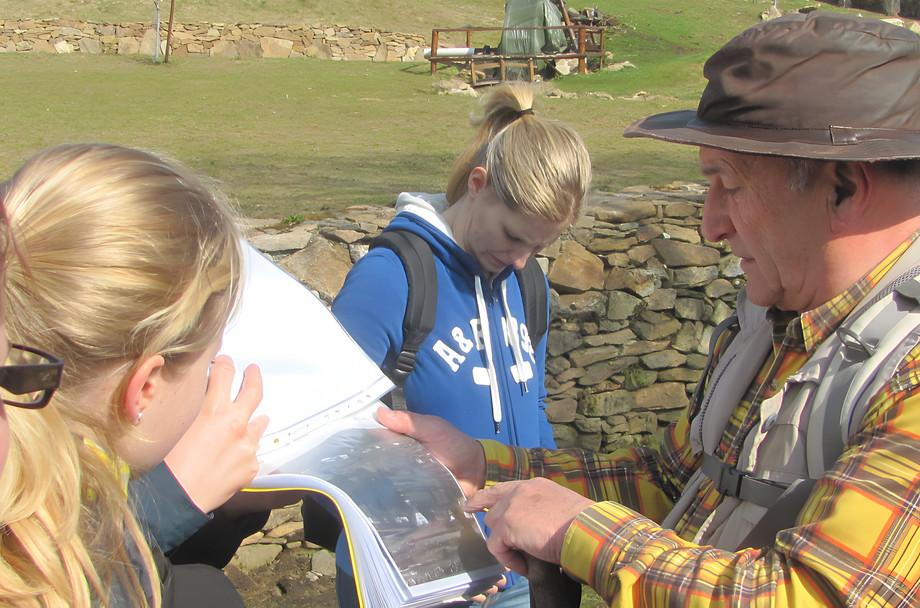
point(453, 352)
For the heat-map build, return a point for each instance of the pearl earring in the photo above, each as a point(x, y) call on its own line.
point(138, 418)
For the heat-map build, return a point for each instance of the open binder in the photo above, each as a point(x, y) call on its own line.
point(402, 511)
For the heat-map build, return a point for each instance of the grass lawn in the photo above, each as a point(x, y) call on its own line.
point(390, 15)
point(299, 136)
point(307, 137)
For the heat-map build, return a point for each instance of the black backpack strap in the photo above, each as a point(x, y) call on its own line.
point(418, 321)
point(532, 282)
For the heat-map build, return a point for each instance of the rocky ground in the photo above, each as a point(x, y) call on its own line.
point(275, 567)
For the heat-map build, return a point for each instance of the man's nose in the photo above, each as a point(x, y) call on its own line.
point(717, 225)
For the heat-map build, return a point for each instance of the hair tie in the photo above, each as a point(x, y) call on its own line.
point(524, 112)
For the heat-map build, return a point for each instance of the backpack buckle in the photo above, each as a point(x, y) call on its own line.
point(855, 348)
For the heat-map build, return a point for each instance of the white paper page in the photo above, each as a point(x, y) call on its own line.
point(312, 370)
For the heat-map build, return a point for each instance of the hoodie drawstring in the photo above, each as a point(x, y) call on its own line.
point(490, 363)
point(515, 339)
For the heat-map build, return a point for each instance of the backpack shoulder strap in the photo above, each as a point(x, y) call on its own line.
point(418, 321)
point(532, 282)
point(874, 341)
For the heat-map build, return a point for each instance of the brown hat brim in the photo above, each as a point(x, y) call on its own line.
point(832, 143)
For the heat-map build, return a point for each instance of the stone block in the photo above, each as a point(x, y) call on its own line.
point(619, 337)
point(253, 557)
point(565, 436)
point(665, 395)
point(589, 425)
point(576, 269)
point(561, 410)
point(276, 47)
point(693, 309)
point(656, 331)
point(248, 49)
point(589, 441)
point(681, 374)
point(587, 305)
point(643, 347)
point(321, 265)
point(589, 356)
point(323, 563)
point(694, 276)
point(637, 281)
point(319, 50)
point(606, 404)
point(601, 372)
point(680, 209)
point(682, 233)
point(676, 254)
point(663, 359)
point(42, 46)
point(661, 299)
point(90, 46)
point(617, 209)
point(128, 46)
point(719, 288)
point(621, 305)
point(225, 49)
point(295, 239)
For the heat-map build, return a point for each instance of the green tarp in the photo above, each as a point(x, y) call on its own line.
point(532, 13)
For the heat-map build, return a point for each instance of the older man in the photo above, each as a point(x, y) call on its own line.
point(794, 477)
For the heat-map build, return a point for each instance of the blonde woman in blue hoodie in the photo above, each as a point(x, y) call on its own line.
point(512, 192)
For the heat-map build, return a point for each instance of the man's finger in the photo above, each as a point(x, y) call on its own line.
point(506, 555)
point(486, 499)
point(398, 422)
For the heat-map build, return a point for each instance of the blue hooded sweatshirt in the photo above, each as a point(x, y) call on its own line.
point(477, 367)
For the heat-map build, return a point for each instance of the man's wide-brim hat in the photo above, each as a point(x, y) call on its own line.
point(821, 85)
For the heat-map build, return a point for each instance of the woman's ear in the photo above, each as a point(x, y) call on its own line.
point(142, 387)
point(477, 180)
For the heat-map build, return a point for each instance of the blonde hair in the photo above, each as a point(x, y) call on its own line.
point(125, 256)
point(536, 166)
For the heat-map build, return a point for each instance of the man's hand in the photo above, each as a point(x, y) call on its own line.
point(217, 454)
point(460, 453)
point(527, 517)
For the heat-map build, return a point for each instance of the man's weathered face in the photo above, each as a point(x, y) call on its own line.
point(778, 232)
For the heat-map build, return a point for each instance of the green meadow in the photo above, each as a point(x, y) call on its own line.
point(306, 136)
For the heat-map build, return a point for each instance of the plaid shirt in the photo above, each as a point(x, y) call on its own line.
point(856, 542)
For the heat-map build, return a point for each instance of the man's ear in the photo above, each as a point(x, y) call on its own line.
point(851, 190)
point(142, 386)
point(477, 180)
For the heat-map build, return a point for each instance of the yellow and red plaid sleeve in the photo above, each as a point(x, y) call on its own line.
point(856, 543)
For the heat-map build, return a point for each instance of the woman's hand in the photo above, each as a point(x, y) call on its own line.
point(217, 454)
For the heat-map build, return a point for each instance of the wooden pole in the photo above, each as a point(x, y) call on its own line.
point(582, 63)
point(169, 28)
point(567, 21)
point(434, 51)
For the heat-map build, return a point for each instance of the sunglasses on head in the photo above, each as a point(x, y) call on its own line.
point(29, 377)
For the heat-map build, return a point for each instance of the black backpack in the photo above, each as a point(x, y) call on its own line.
point(418, 262)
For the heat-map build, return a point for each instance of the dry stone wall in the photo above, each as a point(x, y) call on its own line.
point(236, 40)
point(636, 293)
